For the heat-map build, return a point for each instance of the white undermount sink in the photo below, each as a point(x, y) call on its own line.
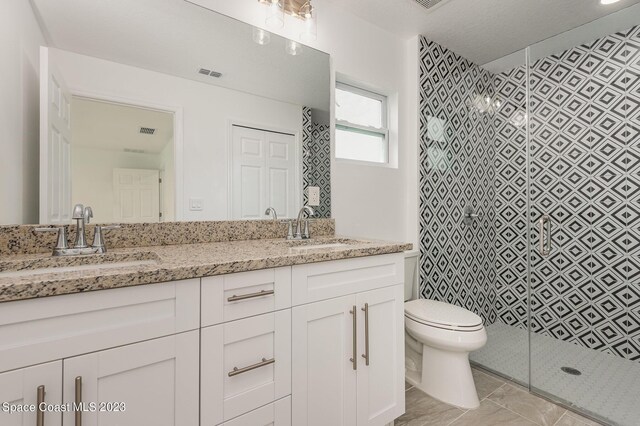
point(311, 244)
point(319, 246)
point(57, 265)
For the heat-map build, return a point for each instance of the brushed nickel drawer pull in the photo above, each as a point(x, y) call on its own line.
point(366, 333)
point(235, 298)
point(262, 363)
point(354, 359)
point(40, 411)
point(78, 413)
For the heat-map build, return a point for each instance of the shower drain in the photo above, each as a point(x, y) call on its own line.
point(571, 371)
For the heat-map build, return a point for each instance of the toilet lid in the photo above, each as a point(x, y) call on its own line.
point(441, 314)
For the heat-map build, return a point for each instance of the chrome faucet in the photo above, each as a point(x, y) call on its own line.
point(301, 234)
point(271, 211)
point(82, 215)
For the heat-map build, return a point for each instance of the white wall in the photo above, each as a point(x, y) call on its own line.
point(92, 176)
point(367, 201)
point(206, 112)
point(20, 40)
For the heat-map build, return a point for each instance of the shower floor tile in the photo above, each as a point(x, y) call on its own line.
point(607, 388)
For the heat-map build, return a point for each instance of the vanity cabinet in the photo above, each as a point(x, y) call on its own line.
point(348, 351)
point(31, 386)
point(312, 344)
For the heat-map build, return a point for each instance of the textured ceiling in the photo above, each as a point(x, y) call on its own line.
point(482, 30)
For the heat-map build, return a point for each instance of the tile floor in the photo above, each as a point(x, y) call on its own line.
point(608, 386)
point(502, 403)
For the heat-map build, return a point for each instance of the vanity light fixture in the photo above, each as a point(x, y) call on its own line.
point(300, 9)
point(608, 1)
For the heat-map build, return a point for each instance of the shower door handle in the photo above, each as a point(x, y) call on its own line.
point(544, 224)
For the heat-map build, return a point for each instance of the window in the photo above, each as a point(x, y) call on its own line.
point(361, 125)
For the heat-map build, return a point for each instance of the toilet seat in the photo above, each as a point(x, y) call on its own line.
point(442, 315)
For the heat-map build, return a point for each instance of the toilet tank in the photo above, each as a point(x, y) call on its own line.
point(411, 276)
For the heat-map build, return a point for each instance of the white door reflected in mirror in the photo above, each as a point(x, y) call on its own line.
point(265, 167)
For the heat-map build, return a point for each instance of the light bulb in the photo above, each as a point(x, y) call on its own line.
point(261, 36)
point(310, 31)
point(293, 48)
point(275, 15)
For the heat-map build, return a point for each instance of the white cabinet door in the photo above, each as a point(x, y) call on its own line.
point(156, 380)
point(324, 378)
point(381, 349)
point(33, 385)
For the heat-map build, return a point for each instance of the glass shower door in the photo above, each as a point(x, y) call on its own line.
point(584, 181)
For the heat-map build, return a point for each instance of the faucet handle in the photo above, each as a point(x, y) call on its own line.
point(289, 223)
point(61, 243)
point(98, 239)
point(305, 233)
point(78, 212)
point(87, 214)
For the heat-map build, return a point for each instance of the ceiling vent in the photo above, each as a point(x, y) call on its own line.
point(135, 151)
point(147, 130)
point(430, 4)
point(210, 73)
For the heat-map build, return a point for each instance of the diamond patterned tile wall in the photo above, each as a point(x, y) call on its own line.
point(585, 172)
point(316, 162)
point(457, 262)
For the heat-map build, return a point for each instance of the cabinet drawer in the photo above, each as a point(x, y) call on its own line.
point(40, 330)
point(325, 280)
point(237, 374)
point(234, 296)
point(275, 414)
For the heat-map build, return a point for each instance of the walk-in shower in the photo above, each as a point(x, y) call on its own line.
point(545, 148)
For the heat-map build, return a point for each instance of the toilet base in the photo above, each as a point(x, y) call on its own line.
point(447, 377)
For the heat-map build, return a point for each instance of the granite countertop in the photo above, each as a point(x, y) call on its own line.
point(126, 267)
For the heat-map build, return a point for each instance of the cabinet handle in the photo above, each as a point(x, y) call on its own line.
point(262, 363)
point(235, 298)
point(40, 411)
point(78, 413)
point(366, 333)
point(354, 359)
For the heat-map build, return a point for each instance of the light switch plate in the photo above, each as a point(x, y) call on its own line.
point(196, 204)
point(314, 196)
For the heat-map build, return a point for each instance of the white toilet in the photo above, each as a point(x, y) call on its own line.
point(438, 339)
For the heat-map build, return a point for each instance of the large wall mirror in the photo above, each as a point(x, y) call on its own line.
point(155, 111)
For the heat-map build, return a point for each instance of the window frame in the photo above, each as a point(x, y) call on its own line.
point(373, 131)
